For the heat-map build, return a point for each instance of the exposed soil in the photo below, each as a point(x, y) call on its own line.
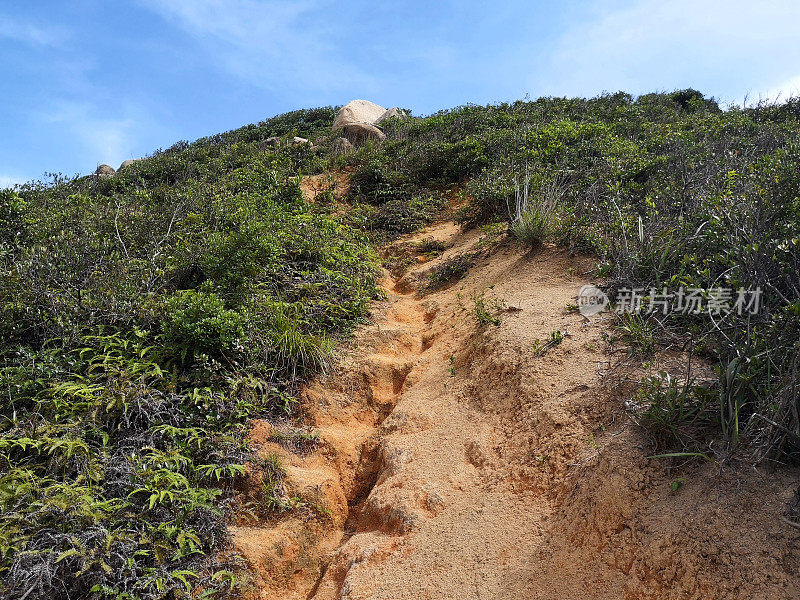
point(334, 185)
point(458, 461)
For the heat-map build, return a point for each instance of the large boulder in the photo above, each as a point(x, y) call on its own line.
point(104, 171)
point(390, 114)
point(358, 133)
point(357, 111)
point(127, 163)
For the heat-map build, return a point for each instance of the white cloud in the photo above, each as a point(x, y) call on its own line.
point(102, 138)
point(33, 35)
point(271, 44)
point(788, 88)
point(723, 47)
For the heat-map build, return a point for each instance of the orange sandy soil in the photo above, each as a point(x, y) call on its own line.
point(455, 462)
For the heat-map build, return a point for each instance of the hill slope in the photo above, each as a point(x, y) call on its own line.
point(455, 461)
point(148, 318)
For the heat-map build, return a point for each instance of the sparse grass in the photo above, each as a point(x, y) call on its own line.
point(430, 247)
point(296, 439)
point(492, 236)
point(400, 257)
point(534, 219)
point(273, 496)
point(556, 337)
point(639, 333)
point(675, 413)
point(486, 310)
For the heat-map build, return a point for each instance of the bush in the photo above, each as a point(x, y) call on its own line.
point(138, 337)
point(12, 221)
point(198, 323)
point(448, 271)
point(668, 190)
point(488, 198)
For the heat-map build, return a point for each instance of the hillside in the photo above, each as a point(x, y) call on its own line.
point(188, 413)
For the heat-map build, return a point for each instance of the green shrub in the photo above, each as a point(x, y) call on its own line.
point(138, 338)
point(489, 196)
point(12, 221)
point(639, 333)
point(450, 162)
point(198, 323)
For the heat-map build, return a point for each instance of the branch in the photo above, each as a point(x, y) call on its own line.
point(119, 237)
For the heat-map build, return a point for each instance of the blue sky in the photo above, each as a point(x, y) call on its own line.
point(89, 82)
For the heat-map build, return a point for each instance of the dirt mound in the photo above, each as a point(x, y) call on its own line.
point(471, 446)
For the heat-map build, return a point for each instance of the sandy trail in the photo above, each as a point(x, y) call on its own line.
point(457, 460)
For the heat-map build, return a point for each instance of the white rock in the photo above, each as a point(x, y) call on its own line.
point(357, 111)
point(358, 133)
point(391, 113)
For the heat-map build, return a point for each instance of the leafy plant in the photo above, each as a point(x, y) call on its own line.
point(198, 323)
point(639, 333)
point(556, 337)
point(486, 310)
point(675, 413)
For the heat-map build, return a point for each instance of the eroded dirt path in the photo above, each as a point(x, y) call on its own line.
point(460, 460)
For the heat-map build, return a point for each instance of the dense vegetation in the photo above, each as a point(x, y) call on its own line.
point(669, 191)
point(147, 316)
point(144, 318)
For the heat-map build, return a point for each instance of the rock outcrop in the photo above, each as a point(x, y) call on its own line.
point(358, 133)
point(127, 163)
point(104, 171)
point(390, 114)
point(358, 121)
point(357, 111)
